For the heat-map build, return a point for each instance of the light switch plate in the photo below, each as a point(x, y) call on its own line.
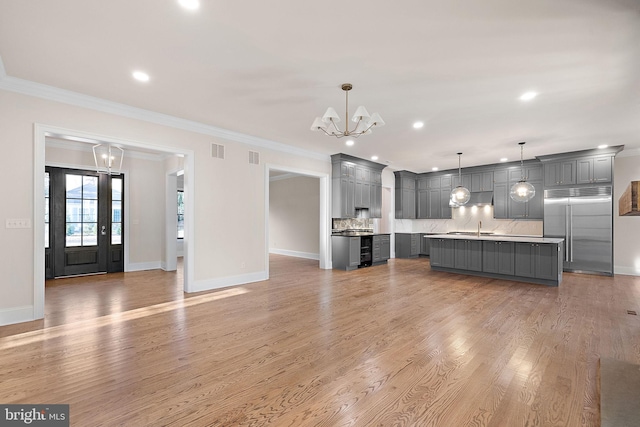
point(18, 223)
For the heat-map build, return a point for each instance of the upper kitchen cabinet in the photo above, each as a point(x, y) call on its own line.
point(580, 167)
point(482, 181)
point(405, 195)
point(356, 186)
point(506, 208)
point(466, 180)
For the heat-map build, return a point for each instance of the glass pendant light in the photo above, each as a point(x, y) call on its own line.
point(522, 191)
point(460, 195)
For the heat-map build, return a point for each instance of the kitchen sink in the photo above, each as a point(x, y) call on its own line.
point(469, 233)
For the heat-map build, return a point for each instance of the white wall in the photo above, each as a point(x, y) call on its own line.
point(294, 217)
point(229, 194)
point(626, 229)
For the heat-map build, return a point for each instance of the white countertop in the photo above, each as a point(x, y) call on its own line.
point(497, 238)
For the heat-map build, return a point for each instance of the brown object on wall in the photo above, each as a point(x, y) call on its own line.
point(628, 203)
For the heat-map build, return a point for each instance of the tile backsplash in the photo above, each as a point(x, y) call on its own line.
point(352, 223)
point(466, 219)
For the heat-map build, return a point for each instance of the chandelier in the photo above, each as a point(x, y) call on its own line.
point(460, 195)
point(107, 160)
point(363, 121)
point(522, 191)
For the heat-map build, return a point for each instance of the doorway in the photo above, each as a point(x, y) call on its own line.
point(83, 222)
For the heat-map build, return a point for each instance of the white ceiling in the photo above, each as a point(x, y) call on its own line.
point(268, 68)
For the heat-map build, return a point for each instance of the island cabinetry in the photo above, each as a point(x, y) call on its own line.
point(498, 257)
point(381, 248)
point(442, 253)
point(468, 255)
point(536, 260)
point(407, 245)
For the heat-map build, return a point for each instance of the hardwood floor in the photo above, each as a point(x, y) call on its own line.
point(390, 345)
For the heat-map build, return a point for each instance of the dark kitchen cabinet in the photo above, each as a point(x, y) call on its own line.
point(405, 195)
point(594, 170)
point(482, 181)
point(498, 257)
point(425, 245)
point(466, 180)
point(468, 255)
point(531, 173)
point(363, 187)
point(537, 260)
point(501, 200)
point(560, 173)
point(381, 248)
point(355, 183)
point(407, 245)
point(506, 208)
point(442, 253)
point(345, 252)
point(533, 209)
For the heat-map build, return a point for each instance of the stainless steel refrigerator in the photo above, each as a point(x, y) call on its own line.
point(584, 218)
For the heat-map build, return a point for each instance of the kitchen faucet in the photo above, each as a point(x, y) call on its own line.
point(479, 226)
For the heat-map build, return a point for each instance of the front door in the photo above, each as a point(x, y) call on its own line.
point(83, 222)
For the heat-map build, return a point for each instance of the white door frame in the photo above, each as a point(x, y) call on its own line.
point(325, 215)
point(40, 133)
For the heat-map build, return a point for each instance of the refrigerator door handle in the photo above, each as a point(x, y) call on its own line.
point(567, 233)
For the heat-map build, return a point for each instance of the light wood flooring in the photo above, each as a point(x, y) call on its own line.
point(395, 345)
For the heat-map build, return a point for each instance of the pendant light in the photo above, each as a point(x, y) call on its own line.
point(522, 191)
point(459, 195)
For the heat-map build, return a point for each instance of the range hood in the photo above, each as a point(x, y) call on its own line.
point(482, 198)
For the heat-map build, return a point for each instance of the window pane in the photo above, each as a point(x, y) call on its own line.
point(74, 234)
point(46, 184)
point(46, 235)
point(89, 211)
point(90, 187)
point(74, 186)
point(116, 212)
point(116, 188)
point(46, 210)
point(89, 234)
point(116, 234)
point(74, 210)
point(180, 214)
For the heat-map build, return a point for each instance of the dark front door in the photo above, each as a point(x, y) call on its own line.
point(83, 222)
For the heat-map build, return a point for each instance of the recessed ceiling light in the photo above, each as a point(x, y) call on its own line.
point(190, 4)
point(349, 142)
point(374, 157)
point(504, 159)
point(528, 96)
point(418, 125)
point(435, 168)
point(141, 76)
point(602, 146)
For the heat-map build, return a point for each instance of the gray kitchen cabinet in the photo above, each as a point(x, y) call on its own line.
point(363, 187)
point(422, 204)
point(407, 245)
point(468, 255)
point(355, 183)
point(531, 173)
point(435, 183)
point(560, 173)
point(434, 204)
point(533, 209)
point(381, 248)
point(498, 257)
point(405, 195)
point(445, 209)
point(345, 252)
point(536, 260)
point(375, 209)
point(442, 253)
point(466, 181)
point(482, 181)
point(425, 245)
point(501, 199)
point(594, 170)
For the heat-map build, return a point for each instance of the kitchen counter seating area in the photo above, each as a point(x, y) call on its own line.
point(525, 259)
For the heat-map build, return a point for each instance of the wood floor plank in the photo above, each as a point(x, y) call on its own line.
point(388, 345)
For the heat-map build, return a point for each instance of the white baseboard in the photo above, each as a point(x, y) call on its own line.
point(627, 271)
point(9, 316)
point(297, 254)
point(224, 282)
point(141, 266)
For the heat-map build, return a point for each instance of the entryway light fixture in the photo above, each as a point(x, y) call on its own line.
point(460, 195)
point(522, 191)
point(364, 122)
point(107, 157)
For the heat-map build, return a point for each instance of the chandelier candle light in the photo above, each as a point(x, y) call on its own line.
point(522, 191)
point(460, 195)
point(106, 159)
point(364, 122)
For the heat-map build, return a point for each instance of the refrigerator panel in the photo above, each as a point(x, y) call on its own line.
point(590, 231)
point(556, 221)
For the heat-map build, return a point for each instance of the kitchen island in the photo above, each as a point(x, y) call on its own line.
point(525, 259)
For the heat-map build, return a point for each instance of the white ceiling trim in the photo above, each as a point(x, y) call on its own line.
point(80, 146)
point(51, 93)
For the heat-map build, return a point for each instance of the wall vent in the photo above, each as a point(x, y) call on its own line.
point(254, 158)
point(217, 150)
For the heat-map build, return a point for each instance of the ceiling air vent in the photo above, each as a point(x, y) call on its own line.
point(254, 158)
point(217, 151)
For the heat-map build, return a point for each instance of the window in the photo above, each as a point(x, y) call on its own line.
point(116, 211)
point(46, 210)
point(180, 214)
point(81, 210)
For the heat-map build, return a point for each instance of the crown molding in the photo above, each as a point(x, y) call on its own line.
point(38, 90)
point(80, 146)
